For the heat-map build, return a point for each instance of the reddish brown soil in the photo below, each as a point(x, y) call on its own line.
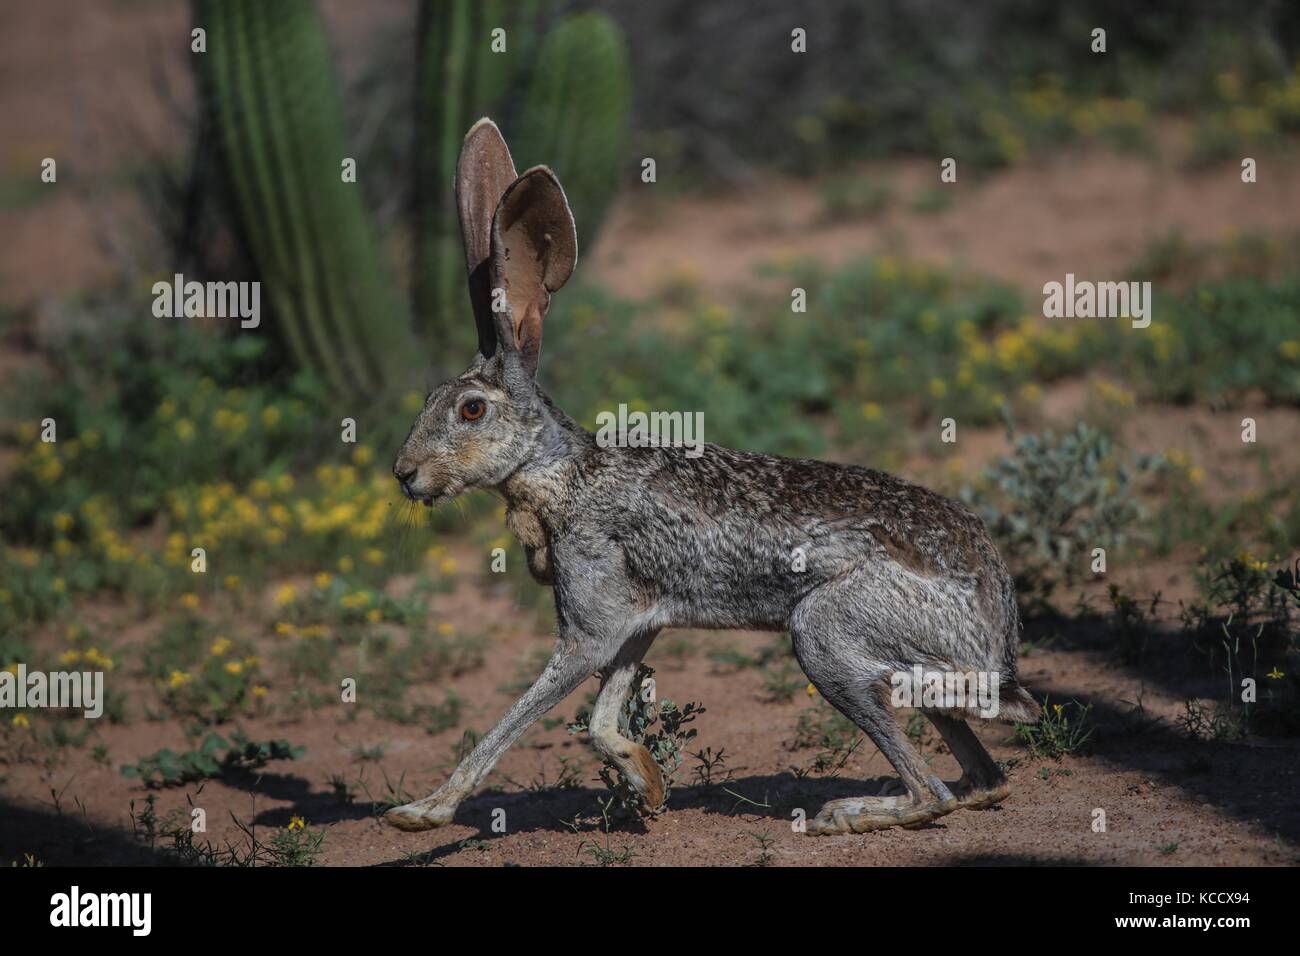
point(1087, 211)
point(1220, 804)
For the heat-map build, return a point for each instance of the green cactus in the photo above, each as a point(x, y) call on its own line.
point(459, 78)
point(267, 83)
point(577, 113)
point(271, 97)
point(569, 99)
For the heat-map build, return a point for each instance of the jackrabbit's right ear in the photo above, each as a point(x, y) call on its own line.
point(534, 250)
point(483, 173)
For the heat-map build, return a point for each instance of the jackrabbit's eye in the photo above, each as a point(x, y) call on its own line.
point(473, 410)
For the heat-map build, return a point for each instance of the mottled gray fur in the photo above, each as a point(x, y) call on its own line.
point(634, 540)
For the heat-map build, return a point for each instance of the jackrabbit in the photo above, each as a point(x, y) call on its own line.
point(889, 576)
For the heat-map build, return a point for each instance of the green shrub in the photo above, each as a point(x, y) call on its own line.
point(1054, 500)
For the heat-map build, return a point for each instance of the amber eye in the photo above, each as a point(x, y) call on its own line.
point(472, 410)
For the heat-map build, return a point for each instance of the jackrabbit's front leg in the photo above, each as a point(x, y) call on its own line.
point(633, 760)
point(573, 662)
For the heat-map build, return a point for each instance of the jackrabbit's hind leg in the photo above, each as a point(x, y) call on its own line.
point(982, 783)
point(632, 759)
point(839, 667)
point(927, 797)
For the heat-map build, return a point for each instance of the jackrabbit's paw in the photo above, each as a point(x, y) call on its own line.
point(981, 798)
point(862, 814)
point(645, 775)
point(419, 815)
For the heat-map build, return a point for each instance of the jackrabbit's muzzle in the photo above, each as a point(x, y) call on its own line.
point(407, 476)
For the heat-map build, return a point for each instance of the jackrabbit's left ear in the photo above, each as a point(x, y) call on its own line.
point(534, 250)
point(484, 172)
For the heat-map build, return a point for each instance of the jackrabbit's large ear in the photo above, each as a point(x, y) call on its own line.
point(534, 250)
point(483, 173)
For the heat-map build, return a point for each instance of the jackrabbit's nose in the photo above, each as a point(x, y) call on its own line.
point(402, 473)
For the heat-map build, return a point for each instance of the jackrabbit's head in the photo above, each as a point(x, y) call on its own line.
point(520, 246)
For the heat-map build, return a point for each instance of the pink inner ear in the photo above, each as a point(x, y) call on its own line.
point(529, 324)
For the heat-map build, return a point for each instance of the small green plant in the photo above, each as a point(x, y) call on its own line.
point(765, 842)
point(214, 757)
point(569, 777)
point(394, 793)
point(605, 854)
point(145, 827)
point(1209, 722)
point(782, 680)
point(295, 845)
point(836, 736)
point(1247, 629)
point(712, 769)
point(1053, 501)
point(291, 846)
point(1129, 623)
point(1058, 732)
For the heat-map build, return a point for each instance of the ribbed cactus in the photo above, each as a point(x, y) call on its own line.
point(459, 78)
point(577, 113)
point(568, 100)
point(269, 87)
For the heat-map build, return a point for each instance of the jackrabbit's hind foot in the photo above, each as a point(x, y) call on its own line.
point(981, 796)
point(862, 814)
point(644, 775)
point(419, 815)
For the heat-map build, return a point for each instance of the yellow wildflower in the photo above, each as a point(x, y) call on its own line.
point(95, 658)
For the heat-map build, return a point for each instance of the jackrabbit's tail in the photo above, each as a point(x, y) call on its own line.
point(1016, 705)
